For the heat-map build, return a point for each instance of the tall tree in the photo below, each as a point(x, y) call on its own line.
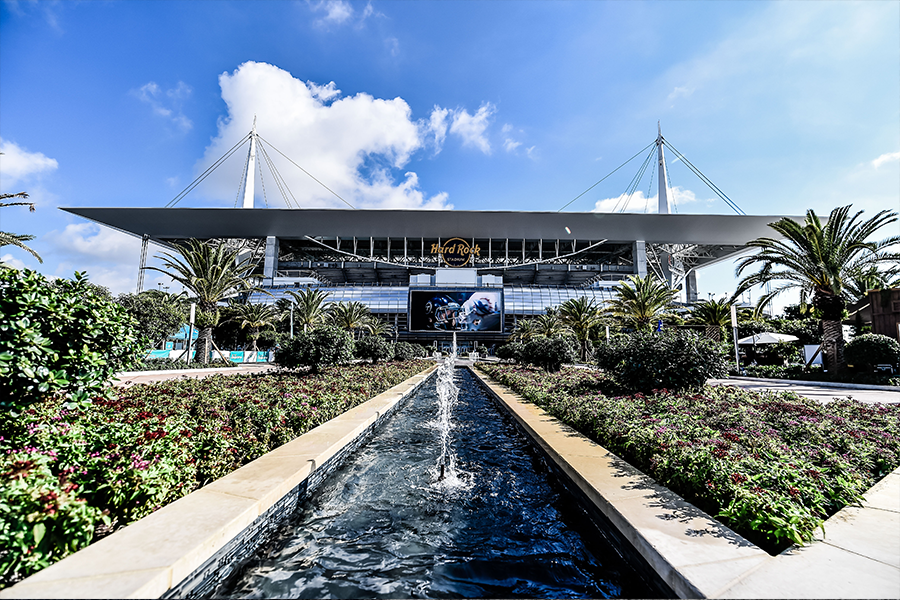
point(583, 317)
point(549, 325)
point(212, 272)
point(352, 317)
point(309, 307)
point(157, 314)
point(14, 239)
point(641, 300)
point(524, 331)
point(256, 316)
point(714, 314)
point(820, 260)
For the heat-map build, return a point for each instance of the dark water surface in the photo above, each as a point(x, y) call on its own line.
point(384, 526)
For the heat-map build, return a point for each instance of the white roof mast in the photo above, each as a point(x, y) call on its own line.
point(250, 175)
point(663, 180)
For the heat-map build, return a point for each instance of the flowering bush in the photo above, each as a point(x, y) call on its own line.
point(42, 514)
point(770, 466)
point(74, 471)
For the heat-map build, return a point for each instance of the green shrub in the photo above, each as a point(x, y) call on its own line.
point(408, 351)
point(547, 353)
point(374, 348)
point(870, 349)
point(511, 352)
point(316, 348)
point(645, 361)
point(61, 337)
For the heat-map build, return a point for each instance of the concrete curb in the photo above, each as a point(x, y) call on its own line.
point(825, 384)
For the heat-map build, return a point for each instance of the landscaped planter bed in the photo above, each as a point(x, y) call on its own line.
point(69, 473)
point(770, 466)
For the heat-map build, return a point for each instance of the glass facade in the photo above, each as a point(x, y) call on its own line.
point(517, 300)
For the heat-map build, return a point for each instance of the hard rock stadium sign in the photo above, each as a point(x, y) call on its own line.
point(456, 252)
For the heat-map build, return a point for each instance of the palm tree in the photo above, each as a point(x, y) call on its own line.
point(309, 307)
point(860, 283)
point(524, 331)
point(641, 300)
point(376, 326)
point(14, 239)
point(583, 317)
point(715, 314)
point(550, 325)
point(212, 273)
point(821, 260)
point(256, 317)
point(349, 316)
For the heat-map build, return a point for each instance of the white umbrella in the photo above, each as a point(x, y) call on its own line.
point(767, 338)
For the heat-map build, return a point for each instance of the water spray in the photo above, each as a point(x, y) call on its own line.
point(448, 393)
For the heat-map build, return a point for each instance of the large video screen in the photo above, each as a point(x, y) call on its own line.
point(456, 310)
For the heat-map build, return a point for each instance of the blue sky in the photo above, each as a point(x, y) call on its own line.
point(472, 105)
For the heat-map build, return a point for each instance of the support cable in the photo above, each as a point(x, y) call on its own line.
point(274, 173)
point(206, 173)
point(641, 151)
point(280, 181)
point(647, 200)
point(632, 187)
point(307, 172)
point(705, 179)
point(240, 188)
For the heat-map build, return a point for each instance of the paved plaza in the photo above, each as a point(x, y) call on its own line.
point(822, 393)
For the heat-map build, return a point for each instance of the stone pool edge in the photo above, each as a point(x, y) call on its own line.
point(697, 556)
point(182, 547)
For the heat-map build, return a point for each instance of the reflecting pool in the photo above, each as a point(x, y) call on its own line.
point(388, 525)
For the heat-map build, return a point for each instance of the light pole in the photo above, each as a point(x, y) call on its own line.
point(191, 332)
point(292, 320)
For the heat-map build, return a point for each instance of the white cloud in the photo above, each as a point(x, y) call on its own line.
point(339, 12)
point(471, 128)
point(681, 92)
point(91, 240)
point(10, 261)
point(437, 126)
point(167, 103)
point(886, 158)
point(351, 143)
point(109, 257)
point(509, 144)
point(17, 164)
point(639, 203)
point(393, 46)
point(324, 92)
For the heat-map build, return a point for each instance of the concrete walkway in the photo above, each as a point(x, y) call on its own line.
point(133, 377)
point(822, 393)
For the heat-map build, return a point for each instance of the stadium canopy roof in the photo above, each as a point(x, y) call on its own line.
point(203, 223)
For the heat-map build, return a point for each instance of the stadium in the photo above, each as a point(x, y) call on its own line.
point(430, 273)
